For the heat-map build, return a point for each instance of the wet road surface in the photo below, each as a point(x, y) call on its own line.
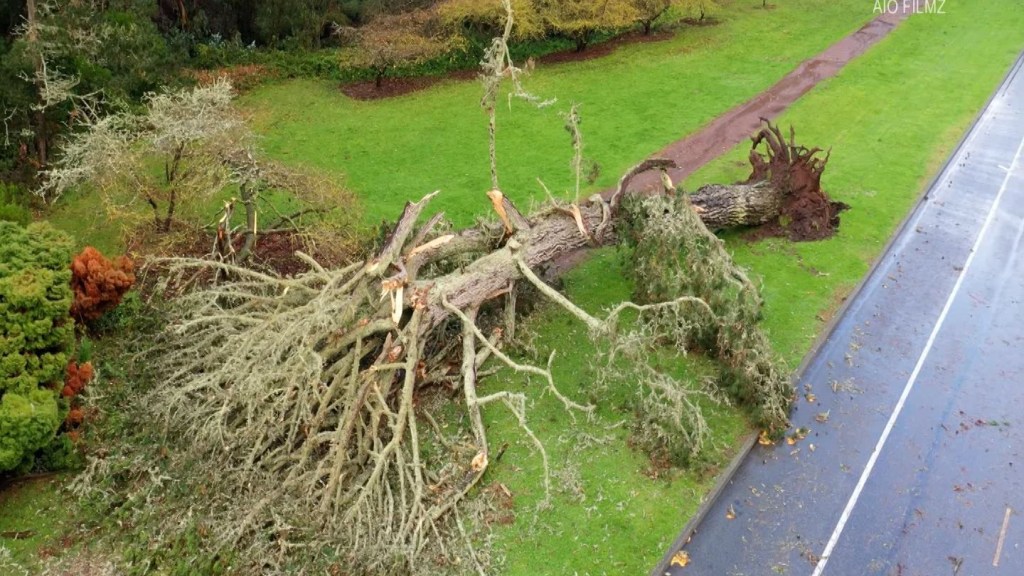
point(914, 462)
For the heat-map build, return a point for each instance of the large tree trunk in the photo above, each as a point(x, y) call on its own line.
point(729, 206)
point(537, 241)
point(32, 37)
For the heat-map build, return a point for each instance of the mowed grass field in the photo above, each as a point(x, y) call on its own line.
point(633, 102)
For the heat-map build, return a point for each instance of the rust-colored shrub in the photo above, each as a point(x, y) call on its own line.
point(75, 417)
point(75, 378)
point(98, 283)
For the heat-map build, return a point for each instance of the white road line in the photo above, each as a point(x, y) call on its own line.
point(913, 376)
point(1002, 536)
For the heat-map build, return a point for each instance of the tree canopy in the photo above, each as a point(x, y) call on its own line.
point(580, 20)
point(391, 40)
point(487, 17)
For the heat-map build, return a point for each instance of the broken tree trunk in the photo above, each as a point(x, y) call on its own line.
point(722, 206)
point(783, 192)
point(310, 380)
point(539, 240)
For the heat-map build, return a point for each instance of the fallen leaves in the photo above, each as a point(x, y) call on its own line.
point(797, 435)
point(681, 559)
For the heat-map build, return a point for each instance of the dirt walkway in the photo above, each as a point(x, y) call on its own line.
point(736, 125)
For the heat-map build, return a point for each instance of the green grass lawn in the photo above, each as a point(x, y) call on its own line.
point(633, 102)
point(32, 515)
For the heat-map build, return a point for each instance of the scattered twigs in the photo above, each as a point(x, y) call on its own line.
point(544, 373)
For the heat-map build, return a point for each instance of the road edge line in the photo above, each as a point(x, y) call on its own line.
point(705, 506)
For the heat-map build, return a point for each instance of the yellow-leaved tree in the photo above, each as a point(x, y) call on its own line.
point(649, 11)
point(580, 20)
point(392, 40)
point(486, 18)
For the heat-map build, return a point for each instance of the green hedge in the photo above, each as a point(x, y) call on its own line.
point(325, 63)
point(36, 338)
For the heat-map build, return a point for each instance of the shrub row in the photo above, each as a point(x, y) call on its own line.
point(40, 287)
point(36, 338)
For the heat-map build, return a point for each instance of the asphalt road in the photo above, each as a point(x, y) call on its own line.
point(914, 463)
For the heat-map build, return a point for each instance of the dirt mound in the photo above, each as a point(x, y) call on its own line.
point(274, 253)
point(605, 48)
point(393, 87)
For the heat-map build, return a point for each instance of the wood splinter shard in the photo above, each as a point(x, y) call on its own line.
point(510, 216)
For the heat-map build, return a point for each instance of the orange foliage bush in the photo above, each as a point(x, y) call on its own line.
point(75, 417)
point(98, 283)
point(75, 378)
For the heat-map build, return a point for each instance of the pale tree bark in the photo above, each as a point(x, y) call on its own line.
point(32, 37)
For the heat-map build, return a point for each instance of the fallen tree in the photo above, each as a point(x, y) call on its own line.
point(305, 386)
point(298, 397)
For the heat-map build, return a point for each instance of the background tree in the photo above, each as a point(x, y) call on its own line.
point(186, 132)
point(67, 61)
point(272, 22)
point(308, 22)
point(486, 18)
point(650, 11)
point(698, 9)
point(182, 149)
point(580, 20)
point(390, 41)
point(12, 14)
